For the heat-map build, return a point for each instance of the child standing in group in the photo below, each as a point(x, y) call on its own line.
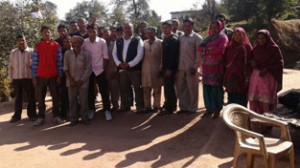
point(46, 72)
point(77, 67)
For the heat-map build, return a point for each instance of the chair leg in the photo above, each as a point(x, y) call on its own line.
point(236, 159)
point(266, 162)
point(272, 162)
point(292, 159)
point(250, 160)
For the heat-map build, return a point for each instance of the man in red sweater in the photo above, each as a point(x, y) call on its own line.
point(46, 72)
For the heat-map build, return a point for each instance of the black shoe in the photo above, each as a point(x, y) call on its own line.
point(182, 112)
point(191, 112)
point(215, 115)
point(86, 122)
point(32, 119)
point(13, 120)
point(166, 112)
point(114, 109)
point(73, 123)
point(146, 110)
point(207, 113)
point(123, 110)
point(156, 109)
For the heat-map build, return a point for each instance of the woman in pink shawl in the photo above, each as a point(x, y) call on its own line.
point(266, 77)
point(237, 67)
point(212, 49)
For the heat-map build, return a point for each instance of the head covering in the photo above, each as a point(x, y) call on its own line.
point(270, 41)
point(221, 17)
point(212, 36)
point(269, 57)
point(151, 29)
point(245, 41)
point(220, 26)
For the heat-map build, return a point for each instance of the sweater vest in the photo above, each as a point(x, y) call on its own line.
point(131, 52)
point(47, 52)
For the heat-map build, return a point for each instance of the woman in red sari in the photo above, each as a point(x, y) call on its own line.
point(266, 77)
point(237, 67)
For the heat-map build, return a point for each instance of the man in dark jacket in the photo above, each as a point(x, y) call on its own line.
point(170, 59)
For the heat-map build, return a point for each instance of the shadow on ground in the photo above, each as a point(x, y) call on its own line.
point(132, 138)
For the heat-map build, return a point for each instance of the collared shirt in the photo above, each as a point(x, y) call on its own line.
point(152, 63)
point(19, 65)
point(188, 50)
point(97, 52)
point(79, 67)
point(138, 58)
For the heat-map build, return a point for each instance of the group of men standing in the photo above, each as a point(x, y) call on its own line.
point(120, 63)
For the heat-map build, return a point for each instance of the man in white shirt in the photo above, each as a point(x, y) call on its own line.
point(19, 70)
point(128, 55)
point(96, 49)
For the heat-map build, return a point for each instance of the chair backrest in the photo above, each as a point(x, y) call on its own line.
point(237, 118)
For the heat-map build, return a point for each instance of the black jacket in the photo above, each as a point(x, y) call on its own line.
point(170, 57)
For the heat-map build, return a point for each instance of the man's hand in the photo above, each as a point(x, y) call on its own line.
point(72, 83)
point(58, 81)
point(113, 75)
point(263, 72)
point(168, 73)
point(34, 81)
point(193, 71)
point(253, 65)
point(79, 83)
point(124, 66)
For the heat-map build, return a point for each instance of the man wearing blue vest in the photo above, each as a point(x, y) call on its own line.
point(128, 54)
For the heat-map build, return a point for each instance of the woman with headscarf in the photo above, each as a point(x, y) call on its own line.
point(211, 49)
point(266, 77)
point(237, 67)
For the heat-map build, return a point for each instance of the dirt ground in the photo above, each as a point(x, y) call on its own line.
point(129, 140)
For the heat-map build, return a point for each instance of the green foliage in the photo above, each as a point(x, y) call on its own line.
point(16, 19)
point(118, 15)
point(153, 18)
point(260, 12)
point(205, 16)
point(87, 10)
point(139, 10)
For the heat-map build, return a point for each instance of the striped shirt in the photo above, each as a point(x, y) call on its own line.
point(19, 65)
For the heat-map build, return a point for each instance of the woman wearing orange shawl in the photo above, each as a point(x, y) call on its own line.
point(266, 77)
point(212, 49)
point(237, 67)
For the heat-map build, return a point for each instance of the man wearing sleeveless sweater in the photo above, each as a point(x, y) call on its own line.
point(128, 55)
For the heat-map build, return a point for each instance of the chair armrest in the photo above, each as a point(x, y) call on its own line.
point(260, 138)
point(247, 132)
point(284, 131)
